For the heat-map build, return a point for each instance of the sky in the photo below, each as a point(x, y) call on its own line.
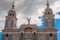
point(29, 8)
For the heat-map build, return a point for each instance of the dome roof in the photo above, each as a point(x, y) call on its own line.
point(12, 12)
point(48, 10)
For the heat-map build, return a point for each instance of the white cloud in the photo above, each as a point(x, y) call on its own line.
point(36, 20)
point(25, 8)
point(56, 8)
point(57, 16)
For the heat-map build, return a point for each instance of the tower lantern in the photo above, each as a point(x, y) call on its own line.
point(47, 3)
point(13, 5)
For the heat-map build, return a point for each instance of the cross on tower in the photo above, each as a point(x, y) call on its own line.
point(29, 19)
point(13, 5)
point(47, 3)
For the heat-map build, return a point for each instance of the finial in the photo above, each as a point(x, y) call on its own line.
point(47, 3)
point(29, 19)
point(13, 5)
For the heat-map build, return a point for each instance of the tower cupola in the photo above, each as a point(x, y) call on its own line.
point(48, 10)
point(12, 11)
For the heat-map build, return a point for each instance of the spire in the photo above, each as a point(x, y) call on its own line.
point(47, 3)
point(13, 5)
point(29, 19)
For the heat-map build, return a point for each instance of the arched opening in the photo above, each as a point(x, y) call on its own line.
point(48, 13)
point(22, 36)
point(13, 14)
point(28, 29)
point(35, 36)
point(10, 14)
point(6, 35)
point(9, 37)
point(50, 34)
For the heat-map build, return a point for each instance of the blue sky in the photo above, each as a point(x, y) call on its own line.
point(57, 25)
point(0, 35)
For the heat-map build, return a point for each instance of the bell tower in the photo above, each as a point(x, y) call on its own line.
point(50, 30)
point(11, 19)
point(48, 17)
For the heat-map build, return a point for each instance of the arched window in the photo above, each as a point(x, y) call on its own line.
point(50, 34)
point(6, 35)
point(9, 37)
point(48, 13)
point(35, 36)
point(28, 29)
point(13, 14)
point(10, 14)
point(21, 36)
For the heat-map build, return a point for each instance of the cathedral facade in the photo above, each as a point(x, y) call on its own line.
point(29, 31)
